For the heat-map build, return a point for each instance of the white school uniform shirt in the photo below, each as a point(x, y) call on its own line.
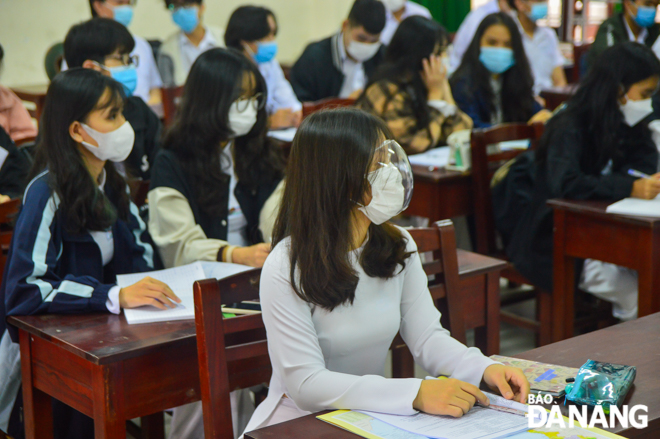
point(392, 24)
point(354, 77)
point(147, 71)
point(466, 32)
point(641, 38)
point(236, 221)
point(336, 359)
point(543, 53)
point(280, 92)
point(190, 52)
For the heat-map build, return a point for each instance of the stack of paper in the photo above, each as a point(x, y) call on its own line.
point(180, 280)
point(285, 135)
point(437, 158)
point(636, 207)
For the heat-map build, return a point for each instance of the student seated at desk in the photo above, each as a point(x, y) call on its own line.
point(541, 44)
point(180, 50)
point(148, 83)
point(252, 30)
point(14, 118)
point(585, 154)
point(341, 282)
point(105, 45)
point(397, 11)
point(494, 82)
point(76, 231)
point(340, 65)
point(410, 90)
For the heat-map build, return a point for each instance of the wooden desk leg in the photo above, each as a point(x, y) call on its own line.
point(403, 363)
point(487, 337)
point(649, 276)
point(563, 283)
point(108, 399)
point(37, 405)
point(153, 426)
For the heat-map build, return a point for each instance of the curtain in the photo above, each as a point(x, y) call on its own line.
point(448, 12)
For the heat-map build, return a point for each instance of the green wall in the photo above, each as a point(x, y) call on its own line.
point(448, 12)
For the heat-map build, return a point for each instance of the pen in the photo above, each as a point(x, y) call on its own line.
point(634, 173)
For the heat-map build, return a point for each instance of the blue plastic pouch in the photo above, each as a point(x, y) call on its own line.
point(603, 384)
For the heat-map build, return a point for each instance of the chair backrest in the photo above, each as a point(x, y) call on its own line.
point(579, 61)
point(8, 212)
point(313, 107)
point(232, 352)
point(139, 191)
point(484, 166)
point(440, 241)
point(171, 97)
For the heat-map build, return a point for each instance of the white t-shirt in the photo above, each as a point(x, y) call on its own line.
point(392, 24)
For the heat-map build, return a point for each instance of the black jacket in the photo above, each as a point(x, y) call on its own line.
point(168, 172)
point(613, 31)
point(147, 129)
point(318, 72)
point(15, 168)
point(564, 175)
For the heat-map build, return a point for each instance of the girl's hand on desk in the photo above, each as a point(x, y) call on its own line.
point(510, 381)
point(448, 397)
point(148, 291)
point(646, 188)
point(254, 256)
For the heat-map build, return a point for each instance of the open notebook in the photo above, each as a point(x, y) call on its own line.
point(180, 280)
point(636, 207)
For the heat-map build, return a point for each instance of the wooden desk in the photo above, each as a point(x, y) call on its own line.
point(583, 230)
point(112, 371)
point(611, 344)
point(440, 194)
point(35, 94)
point(555, 96)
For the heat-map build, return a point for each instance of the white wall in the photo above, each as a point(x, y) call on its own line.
point(29, 27)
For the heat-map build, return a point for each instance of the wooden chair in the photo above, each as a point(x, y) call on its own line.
point(8, 212)
point(232, 352)
point(313, 107)
point(139, 191)
point(579, 61)
point(444, 288)
point(171, 97)
point(484, 166)
point(35, 94)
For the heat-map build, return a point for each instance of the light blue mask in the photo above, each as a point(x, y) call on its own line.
point(265, 52)
point(539, 11)
point(186, 18)
point(123, 14)
point(126, 76)
point(645, 16)
point(497, 59)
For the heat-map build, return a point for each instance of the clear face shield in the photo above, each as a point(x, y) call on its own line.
point(391, 181)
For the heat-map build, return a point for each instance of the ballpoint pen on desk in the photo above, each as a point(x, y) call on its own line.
point(634, 173)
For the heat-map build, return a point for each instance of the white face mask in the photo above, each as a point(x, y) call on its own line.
point(115, 146)
point(362, 51)
point(394, 5)
point(388, 195)
point(636, 111)
point(241, 122)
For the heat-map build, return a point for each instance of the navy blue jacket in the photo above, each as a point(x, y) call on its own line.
point(50, 270)
point(475, 104)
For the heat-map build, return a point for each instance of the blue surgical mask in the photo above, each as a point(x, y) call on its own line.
point(645, 16)
point(265, 52)
point(186, 18)
point(539, 11)
point(497, 59)
point(126, 76)
point(123, 14)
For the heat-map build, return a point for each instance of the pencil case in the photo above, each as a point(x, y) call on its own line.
point(603, 384)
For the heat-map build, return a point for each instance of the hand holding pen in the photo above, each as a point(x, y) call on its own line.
point(646, 187)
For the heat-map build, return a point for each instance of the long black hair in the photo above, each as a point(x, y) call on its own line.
point(330, 159)
point(416, 39)
point(201, 127)
point(71, 97)
point(517, 82)
point(594, 108)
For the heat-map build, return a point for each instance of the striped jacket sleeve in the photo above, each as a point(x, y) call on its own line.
point(31, 283)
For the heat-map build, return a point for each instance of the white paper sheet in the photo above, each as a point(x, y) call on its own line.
point(286, 135)
point(436, 158)
point(180, 280)
point(478, 423)
point(636, 207)
point(514, 144)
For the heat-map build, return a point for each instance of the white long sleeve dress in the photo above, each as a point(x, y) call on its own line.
point(336, 360)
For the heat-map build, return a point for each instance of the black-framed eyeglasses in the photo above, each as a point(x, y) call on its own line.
point(258, 101)
point(126, 59)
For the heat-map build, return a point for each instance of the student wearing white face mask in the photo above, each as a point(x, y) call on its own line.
point(76, 232)
point(341, 65)
point(585, 154)
point(397, 11)
point(342, 281)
